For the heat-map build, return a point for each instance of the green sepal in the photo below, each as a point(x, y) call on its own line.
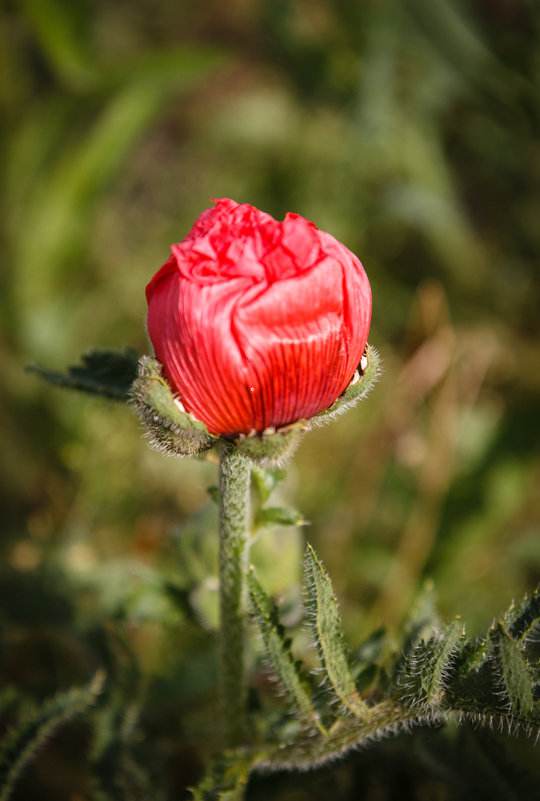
point(361, 384)
point(274, 446)
point(171, 429)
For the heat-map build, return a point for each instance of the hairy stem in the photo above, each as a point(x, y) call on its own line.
point(234, 478)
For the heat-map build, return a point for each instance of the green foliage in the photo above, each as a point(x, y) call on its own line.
point(21, 743)
point(280, 658)
point(264, 481)
point(278, 516)
point(410, 132)
point(326, 624)
point(102, 372)
point(514, 671)
point(436, 678)
point(118, 774)
point(226, 779)
point(427, 665)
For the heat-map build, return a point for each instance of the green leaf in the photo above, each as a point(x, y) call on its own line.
point(21, 743)
point(264, 481)
point(279, 654)
point(108, 373)
point(226, 778)
point(303, 753)
point(513, 669)
point(278, 516)
point(522, 618)
point(326, 625)
point(440, 656)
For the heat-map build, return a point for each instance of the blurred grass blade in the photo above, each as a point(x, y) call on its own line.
point(102, 372)
point(21, 743)
point(326, 625)
point(58, 211)
point(279, 654)
point(57, 26)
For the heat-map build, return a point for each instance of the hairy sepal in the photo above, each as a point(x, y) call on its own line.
point(359, 388)
point(171, 429)
point(273, 447)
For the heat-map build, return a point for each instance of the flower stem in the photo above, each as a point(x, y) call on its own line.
point(234, 478)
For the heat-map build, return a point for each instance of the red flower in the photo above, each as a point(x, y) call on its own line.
point(258, 323)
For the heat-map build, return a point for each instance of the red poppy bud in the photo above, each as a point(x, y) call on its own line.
point(258, 323)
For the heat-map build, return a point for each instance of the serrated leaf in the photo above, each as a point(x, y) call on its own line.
point(326, 624)
point(385, 719)
point(21, 742)
point(278, 516)
point(279, 654)
point(108, 373)
point(522, 618)
point(471, 657)
point(513, 668)
point(440, 655)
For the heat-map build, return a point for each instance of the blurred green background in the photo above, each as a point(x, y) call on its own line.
point(410, 131)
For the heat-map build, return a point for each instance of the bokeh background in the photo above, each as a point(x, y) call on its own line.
point(410, 131)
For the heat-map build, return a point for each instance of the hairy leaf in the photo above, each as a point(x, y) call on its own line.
point(264, 481)
point(279, 654)
point(521, 619)
point(347, 733)
point(513, 669)
point(278, 516)
point(103, 372)
point(326, 625)
point(21, 743)
point(226, 778)
point(443, 649)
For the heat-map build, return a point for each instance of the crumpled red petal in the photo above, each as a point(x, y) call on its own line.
point(258, 323)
